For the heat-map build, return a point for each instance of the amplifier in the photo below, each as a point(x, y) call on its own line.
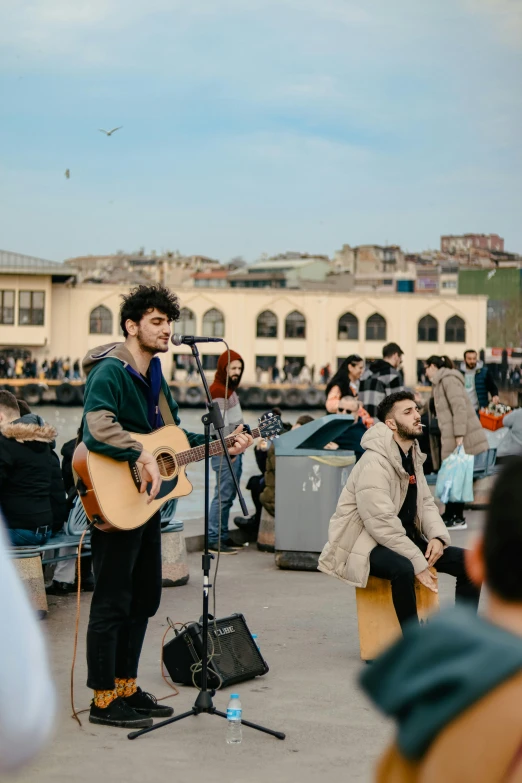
point(236, 656)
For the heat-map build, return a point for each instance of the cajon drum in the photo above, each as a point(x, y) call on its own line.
point(376, 617)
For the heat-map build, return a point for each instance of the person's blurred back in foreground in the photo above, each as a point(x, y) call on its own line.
point(27, 703)
point(454, 686)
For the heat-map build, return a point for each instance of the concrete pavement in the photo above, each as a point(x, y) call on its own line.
point(307, 630)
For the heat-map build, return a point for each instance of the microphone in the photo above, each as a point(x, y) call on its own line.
point(190, 339)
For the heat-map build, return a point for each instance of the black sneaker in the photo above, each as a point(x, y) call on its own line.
point(456, 524)
point(224, 549)
point(146, 704)
point(87, 584)
point(232, 544)
point(119, 714)
point(60, 588)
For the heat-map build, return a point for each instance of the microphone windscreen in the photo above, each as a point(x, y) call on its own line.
point(177, 339)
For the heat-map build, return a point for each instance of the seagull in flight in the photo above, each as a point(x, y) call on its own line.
point(67, 173)
point(490, 274)
point(109, 133)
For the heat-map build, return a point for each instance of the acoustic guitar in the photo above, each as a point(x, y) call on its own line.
point(110, 490)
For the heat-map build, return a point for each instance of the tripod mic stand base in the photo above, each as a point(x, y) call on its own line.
point(202, 704)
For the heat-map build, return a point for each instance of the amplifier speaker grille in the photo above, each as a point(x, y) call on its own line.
point(236, 656)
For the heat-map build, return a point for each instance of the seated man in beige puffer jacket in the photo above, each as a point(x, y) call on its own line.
point(386, 522)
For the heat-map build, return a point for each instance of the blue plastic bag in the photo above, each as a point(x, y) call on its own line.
point(455, 479)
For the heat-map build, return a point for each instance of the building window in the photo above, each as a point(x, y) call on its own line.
point(295, 325)
point(428, 330)
point(267, 324)
point(449, 284)
point(210, 360)
point(213, 324)
point(348, 327)
point(266, 362)
point(7, 301)
point(31, 306)
point(100, 320)
point(186, 324)
point(455, 330)
point(376, 327)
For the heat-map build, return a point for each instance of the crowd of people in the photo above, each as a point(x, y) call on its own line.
point(12, 366)
point(386, 524)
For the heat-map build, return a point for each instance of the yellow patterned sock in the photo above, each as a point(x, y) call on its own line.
point(125, 687)
point(104, 698)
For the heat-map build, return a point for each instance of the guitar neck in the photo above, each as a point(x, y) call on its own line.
point(197, 453)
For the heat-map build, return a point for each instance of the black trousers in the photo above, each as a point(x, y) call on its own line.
point(127, 575)
point(386, 564)
point(254, 485)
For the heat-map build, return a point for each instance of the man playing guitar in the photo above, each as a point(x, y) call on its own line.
point(122, 395)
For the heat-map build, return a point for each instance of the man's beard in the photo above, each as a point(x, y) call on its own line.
point(407, 434)
point(147, 347)
point(233, 380)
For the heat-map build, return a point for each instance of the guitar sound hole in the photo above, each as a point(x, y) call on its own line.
point(167, 465)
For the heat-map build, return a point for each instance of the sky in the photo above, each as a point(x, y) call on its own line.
point(258, 126)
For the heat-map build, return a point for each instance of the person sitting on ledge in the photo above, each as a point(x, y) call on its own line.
point(454, 686)
point(386, 522)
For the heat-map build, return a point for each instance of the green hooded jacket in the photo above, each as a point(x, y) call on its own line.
point(118, 400)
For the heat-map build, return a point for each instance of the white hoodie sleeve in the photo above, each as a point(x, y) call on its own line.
point(27, 697)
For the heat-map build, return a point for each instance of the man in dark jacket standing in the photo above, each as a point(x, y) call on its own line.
point(32, 495)
point(478, 382)
point(122, 396)
point(382, 378)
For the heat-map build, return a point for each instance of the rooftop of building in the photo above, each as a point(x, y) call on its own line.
point(19, 264)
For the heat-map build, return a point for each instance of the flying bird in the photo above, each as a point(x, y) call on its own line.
point(109, 133)
point(491, 274)
point(67, 174)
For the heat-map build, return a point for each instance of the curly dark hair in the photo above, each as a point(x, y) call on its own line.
point(145, 298)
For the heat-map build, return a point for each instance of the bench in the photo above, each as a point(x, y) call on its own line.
point(31, 560)
point(376, 616)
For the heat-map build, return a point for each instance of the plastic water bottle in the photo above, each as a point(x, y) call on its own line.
point(234, 712)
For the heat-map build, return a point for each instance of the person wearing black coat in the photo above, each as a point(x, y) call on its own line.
point(32, 495)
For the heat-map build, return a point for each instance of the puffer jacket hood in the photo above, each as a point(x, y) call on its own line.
point(379, 439)
point(29, 428)
point(437, 671)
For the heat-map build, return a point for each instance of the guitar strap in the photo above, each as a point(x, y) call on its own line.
point(166, 413)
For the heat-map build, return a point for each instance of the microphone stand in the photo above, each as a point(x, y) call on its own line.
point(203, 701)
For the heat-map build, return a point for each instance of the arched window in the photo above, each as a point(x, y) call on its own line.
point(295, 325)
point(186, 324)
point(100, 320)
point(348, 327)
point(213, 323)
point(266, 324)
point(376, 327)
point(455, 330)
point(428, 330)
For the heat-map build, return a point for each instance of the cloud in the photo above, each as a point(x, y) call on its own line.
point(504, 15)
